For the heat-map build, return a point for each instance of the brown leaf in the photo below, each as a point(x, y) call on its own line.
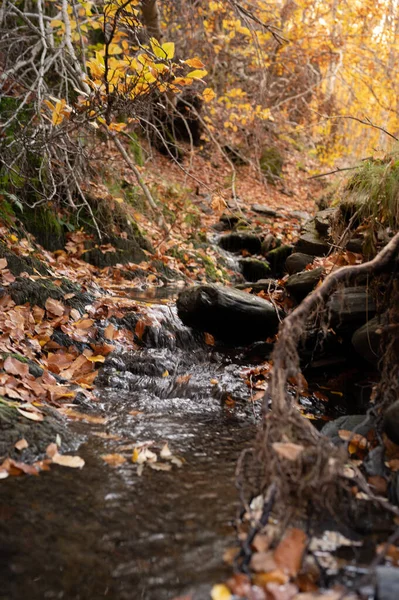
point(276, 576)
point(74, 414)
point(31, 415)
point(21, 444)
point(281, 592)
point(113, 459)
point(263, 562)
point(3, 263)
point(209, 339)
point(54, 307)
point(240, 585)
point(289, 552)
point(109, 332)
point(139, 329)
point(288, 450)
point(75, 462)
point(52, 450)
point(16, 367)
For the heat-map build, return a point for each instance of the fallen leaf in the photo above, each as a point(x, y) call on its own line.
point(113, 459)
point(276, 576)
point(220, 592)
point(288, 450)
point(75, 462)
point(165, 452)
point(288, 554)
point(21, 444)
point(160, 466)
point(74, 414)
point(55, 307)
point(3, 263)
point(16, 367)
point(52, 450)
point(209, 339)
point(32, 416)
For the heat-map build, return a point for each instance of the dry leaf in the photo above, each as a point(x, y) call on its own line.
point(220, 592)
point(3, 263)
point(16, 367)
point(288, 450)
point(75, 462)
point(160, 466)
point(55, 307)
point(21, 444)
point(288, 554)
point(74, 414)
point(262, 562)
point(113, 459)
point(165, 452)
point(31, 415)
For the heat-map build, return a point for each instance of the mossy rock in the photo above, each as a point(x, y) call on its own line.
point(254, 269)
point(277, 257)
point(14, 427)
point(19, 264)
point(42, 222)
point(271, 163)
point(25, 290)
point(126, 251)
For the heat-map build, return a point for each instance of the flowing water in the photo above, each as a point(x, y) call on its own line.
point(108, 532)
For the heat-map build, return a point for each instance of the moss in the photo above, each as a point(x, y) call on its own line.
point(136, 149)
point(42, 222)
point(271, 163)
point(19, 264)
point(7, 214)
point(24, 291)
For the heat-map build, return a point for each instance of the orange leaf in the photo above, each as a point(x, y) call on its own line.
point(55, 307)
point(288, 554)
point(16, 367)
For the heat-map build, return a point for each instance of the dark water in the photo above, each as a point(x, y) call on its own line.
point(105, 532)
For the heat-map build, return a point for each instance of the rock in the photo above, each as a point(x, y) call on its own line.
point(323, 220)
point(387, 583)
point(300, 214)
point(264, 210)
point(360, 424)
point(355, 245)
point(367, 339)
point(301, 284)
point(277, 258)
point(391, 422)
point(297, 262)
point(311, 242)
point(226, 222)
point(228, 314)
point(269, 243)
point(260, 285)
point(254, 269)
point(235, 242)
point(350, 306)
point(24, 290)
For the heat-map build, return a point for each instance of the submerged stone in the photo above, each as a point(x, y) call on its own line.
point(235, 242)
point(228, 314)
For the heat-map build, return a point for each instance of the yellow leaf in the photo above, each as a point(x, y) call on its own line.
point(113, 459)
point(220, 592)
point(197, 74)
point(165, 374)
point(208, 94)
point(57, 23)
point(117, 126)
point(114, 49)
point(119, 200)
point(195, 63)
point(169, 49)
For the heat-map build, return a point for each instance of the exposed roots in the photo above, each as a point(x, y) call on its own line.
point(303, 468)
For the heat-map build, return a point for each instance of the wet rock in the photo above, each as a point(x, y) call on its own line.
point(254, 269)
point(391, 422)
point(351, 307)
point(228, 314)
point(277, 258)
point(387, 583)
point(301, 284)
point(367, 340)
point(297, 262)
point(36, 292)
point(360, 424)
point(269, 243)
point(267, 285)
point(355, 245)
point(235, 242)
point(300, 214)
point(264, 210)
point(323, 220)
point(13, 427)
point(311, 242)
point(125, 251)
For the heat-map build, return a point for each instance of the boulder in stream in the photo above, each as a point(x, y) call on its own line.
point(297, 262)
point(254, 269)
point(311, 242)
point(351, 307)
point(235, 242)
point(301, 284)
point(228, 314)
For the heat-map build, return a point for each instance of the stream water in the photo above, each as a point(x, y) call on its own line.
point(106, 532)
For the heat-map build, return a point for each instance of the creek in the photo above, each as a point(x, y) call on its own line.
point(106, 532)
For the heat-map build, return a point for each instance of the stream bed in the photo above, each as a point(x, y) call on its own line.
point(107, 532)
